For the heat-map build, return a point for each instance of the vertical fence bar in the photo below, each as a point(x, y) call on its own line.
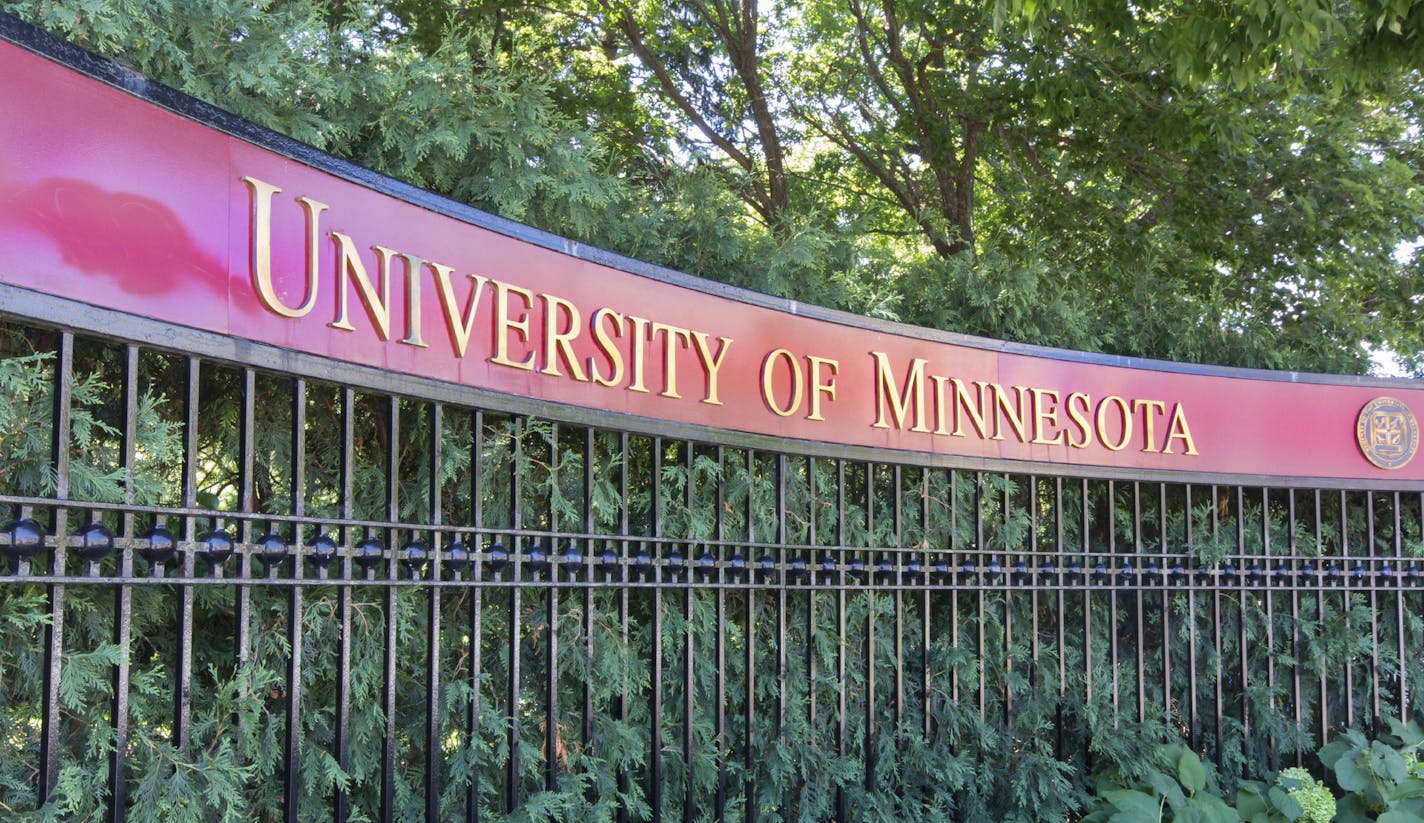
point(719, 799)
point(182, 692)
point(956, 560)
point(897, 522)
point(433, 755)
point(687, 698)
point(476, 614)
point(1369, 580)
point(1345, 607)
point(291, 778)
point(1398, 580)
point(1216, 618)
point(1242, 595)
point(925, 623)
point(870, 630)
point(842, 806)
point(1111, 526)
point(347, 469)
point(750, 807)
point(781, 627)
point(655, 708)
point(1087, 592)
point(982, 563)
point(1140, 639)
point(1293, 546)
point(1033, 582)
point(1166, 601)
point(388, 679)
point(687, 636)
point(243, 611)
point(1263, 579)
point(512, 794)
point(1320, 616)
point(123, 599)
point(1413, 577)
point(1189, 566)
point(811, 562)
point(551, 604)
point(1061, 619)
point(54, 629)
point(1007, 564)
point(622, 710)
point(589, 525)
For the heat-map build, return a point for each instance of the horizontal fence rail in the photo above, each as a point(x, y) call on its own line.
point(329, 601)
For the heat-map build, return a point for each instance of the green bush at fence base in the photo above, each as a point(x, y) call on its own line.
point(1378, 780)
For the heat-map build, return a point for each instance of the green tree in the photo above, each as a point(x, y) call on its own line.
point(1223, 182)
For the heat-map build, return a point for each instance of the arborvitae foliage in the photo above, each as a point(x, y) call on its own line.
point(1007, 737)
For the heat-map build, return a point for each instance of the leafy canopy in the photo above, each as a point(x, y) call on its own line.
point(1230, 182)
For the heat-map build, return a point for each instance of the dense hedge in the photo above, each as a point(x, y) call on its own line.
point(1002, 743)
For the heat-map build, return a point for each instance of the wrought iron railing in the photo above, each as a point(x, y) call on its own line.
point(865, 604)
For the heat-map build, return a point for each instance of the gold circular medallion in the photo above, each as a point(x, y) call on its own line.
point(1387, 432)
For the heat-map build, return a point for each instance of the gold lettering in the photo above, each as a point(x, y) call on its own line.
point(767, 393)
point(818, 387)
point(1149, 421)
point(1100, 418)
point(1045, 414)
point(940, 418)
point(1080, 419)
point(1176, 429)
point(639, 337)
point(671, 335)
point(349, 268)
point(976, 413)
point(899, 400)
point(504, 324)
point(1015, 416)
point(261, 258)
point(604, 342)
point(460, 324)
point(710, 364)
point(559, 344)
point(413, 265)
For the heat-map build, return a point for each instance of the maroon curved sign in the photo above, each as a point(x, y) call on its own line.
point(109, 199)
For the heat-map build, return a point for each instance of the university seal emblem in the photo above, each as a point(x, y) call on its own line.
point(1387, 432)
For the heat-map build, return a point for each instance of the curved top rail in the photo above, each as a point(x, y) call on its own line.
point(174, 211)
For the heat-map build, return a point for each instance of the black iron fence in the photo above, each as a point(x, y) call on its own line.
point(272, 585)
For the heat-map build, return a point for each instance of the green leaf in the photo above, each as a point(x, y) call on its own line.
point(1350, 776)
point(1133, 806)
point(1191, 772)
point(1285, 804)
point(1410, 787)
point(1249, 803)
point(1167, 789)
point(1351, 810)
point(1332, 752)
point(1386, 762)
point(1217, 811)
point(1208, 809)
